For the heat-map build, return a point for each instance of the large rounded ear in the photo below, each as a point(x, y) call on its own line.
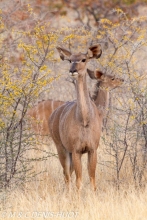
point(95, 74)
point(94, 51)
point(64, 54)
point(91, 74)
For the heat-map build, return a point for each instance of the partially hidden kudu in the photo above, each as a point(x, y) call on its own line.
point(104, 84)
point(76, 126)
point(39, 115)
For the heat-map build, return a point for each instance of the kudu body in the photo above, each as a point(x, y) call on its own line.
point(39, 115)
point(75, 126)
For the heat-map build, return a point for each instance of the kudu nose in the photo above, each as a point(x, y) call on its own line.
point(73, 69)
point(73, 73)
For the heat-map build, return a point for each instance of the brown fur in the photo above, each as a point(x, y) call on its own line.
point(39, 115)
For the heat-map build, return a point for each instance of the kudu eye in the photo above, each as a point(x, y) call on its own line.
point(113, 79)
point(84, 60)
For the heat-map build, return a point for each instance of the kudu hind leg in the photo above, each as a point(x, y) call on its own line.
point(92, 160)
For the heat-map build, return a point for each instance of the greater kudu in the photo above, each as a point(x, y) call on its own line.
point(75, 126)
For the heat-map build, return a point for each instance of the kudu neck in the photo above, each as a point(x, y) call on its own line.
point(101, 98)
point(84, 108)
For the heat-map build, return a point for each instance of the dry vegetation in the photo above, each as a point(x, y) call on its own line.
point(31, 180)
point(46, 196)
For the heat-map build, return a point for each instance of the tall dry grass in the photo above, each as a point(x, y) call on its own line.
point(46, 197)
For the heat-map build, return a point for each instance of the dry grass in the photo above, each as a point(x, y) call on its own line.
point(47, 198)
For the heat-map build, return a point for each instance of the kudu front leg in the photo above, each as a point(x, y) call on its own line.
point(76, 158)
point(92, 160)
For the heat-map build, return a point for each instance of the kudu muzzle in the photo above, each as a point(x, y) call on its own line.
point(73, 69)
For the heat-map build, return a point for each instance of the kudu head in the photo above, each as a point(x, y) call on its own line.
point(105, 81)
point(78, 61)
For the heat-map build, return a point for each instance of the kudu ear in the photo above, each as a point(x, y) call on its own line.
point(95, 74)
point(64, 54)
point(94, 51)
